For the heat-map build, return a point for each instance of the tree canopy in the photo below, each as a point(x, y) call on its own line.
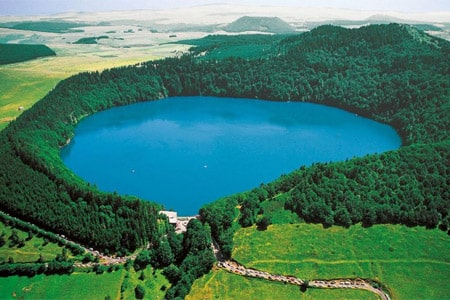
point(391, 73)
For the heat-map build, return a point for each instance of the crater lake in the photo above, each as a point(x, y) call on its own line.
point(183, 152)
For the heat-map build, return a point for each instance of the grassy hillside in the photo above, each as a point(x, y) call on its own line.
point(13, 53)
point(34, 246)
point(378, 252)
point(84, 285)
point(78, 285)
point(220, 284)
point(22, 88)
point(309, 251)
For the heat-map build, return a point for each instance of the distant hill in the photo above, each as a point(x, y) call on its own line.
point(13, 53)
point(261, 24)
point(384, 19)
point(45, 26)
point(427, 27)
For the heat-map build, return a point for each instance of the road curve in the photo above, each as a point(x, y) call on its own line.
point(234, 267)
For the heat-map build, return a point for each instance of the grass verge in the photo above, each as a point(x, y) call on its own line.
point(411, 262)
point(220, 284)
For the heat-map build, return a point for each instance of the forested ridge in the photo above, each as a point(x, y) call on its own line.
point(13, 53)
point(391, 73)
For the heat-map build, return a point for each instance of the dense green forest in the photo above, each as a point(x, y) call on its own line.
point(249, 46)
point(391, 73)
point(13, 53)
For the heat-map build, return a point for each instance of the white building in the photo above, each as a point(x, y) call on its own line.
point(171, 215)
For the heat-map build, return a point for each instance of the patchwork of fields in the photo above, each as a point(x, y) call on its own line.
point(22, 84)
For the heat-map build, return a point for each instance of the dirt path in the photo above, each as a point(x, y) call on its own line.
point(236, 268)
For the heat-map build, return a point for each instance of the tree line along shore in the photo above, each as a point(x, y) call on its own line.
point(391, 73)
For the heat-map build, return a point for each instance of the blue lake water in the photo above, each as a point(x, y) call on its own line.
point(183, 152)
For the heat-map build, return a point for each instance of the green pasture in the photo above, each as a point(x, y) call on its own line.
point(21, 88)
point(32, 250)
point(411, 262)
point(85, 285)
point(219, 284)
point(74, 286)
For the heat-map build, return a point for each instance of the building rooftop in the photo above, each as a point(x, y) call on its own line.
point(171, 215)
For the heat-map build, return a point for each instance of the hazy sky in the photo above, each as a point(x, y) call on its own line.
point(36, 7)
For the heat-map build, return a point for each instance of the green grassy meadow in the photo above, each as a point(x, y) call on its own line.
point(21, 89)
point(410, 262)
point(84, 285)
point(219, 284)
point(413, 263)
point(31, 251)
point(25, 83)
point(74, 286)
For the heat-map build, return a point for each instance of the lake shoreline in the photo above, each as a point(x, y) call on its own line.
point(216, 141)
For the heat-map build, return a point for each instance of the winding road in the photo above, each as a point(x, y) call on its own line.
point(236, 268)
